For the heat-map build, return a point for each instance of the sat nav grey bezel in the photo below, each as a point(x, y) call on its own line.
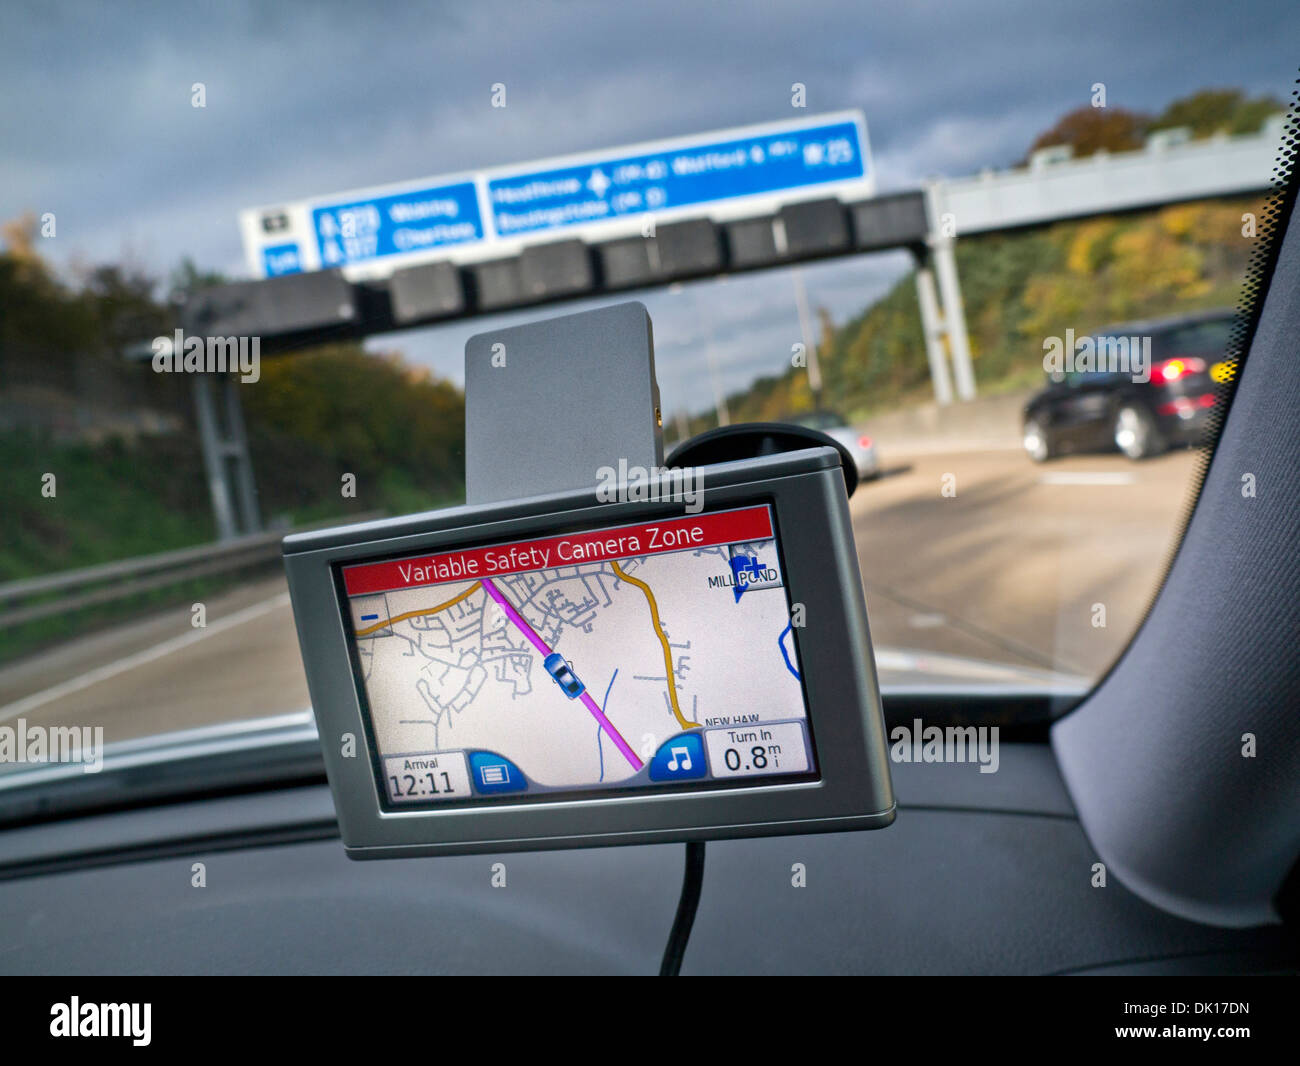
point(806, 491)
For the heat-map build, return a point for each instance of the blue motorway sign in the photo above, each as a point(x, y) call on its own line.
point(609, 186)
point(416, 221)
point(471, 213)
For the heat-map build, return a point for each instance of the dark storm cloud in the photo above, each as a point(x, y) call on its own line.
point(311, 98)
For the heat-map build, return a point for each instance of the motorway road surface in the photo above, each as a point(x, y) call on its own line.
point(1013, 567)
point(1008, 569)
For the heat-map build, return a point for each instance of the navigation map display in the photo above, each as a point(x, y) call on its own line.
point(647, 656)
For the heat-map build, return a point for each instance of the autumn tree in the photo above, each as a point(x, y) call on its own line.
point(1087, 129)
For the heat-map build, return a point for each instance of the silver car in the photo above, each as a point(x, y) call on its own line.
point(860, 446)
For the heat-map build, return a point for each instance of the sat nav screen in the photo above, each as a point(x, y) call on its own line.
point(647, 656)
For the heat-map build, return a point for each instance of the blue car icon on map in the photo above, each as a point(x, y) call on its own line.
point(558, 668)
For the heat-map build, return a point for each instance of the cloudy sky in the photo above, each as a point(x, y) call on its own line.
point(317, 97)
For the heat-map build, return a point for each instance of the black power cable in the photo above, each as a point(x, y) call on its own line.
point(692, 883)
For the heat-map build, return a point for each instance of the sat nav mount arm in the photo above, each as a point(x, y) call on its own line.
point(550, 404)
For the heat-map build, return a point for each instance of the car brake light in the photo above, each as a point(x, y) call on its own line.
point(864, 442)
point(1173, 369)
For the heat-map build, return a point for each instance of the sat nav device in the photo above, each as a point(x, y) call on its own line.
point(593, 651)
point(559, 671)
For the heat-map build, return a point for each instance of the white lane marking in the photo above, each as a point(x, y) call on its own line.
point(1084, 477)
point(130, 662)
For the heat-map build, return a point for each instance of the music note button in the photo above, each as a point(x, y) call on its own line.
point(680, 758)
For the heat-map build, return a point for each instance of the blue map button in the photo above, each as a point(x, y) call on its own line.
point(495, 773)
point(680, 758)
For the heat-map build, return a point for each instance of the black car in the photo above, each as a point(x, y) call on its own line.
point(1102, 408)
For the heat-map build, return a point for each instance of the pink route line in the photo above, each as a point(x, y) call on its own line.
point(540, 645)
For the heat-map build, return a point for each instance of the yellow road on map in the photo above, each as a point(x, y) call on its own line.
point(416, 614)
point(682, 720)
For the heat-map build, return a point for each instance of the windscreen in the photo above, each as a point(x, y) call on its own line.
point(651, 655)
